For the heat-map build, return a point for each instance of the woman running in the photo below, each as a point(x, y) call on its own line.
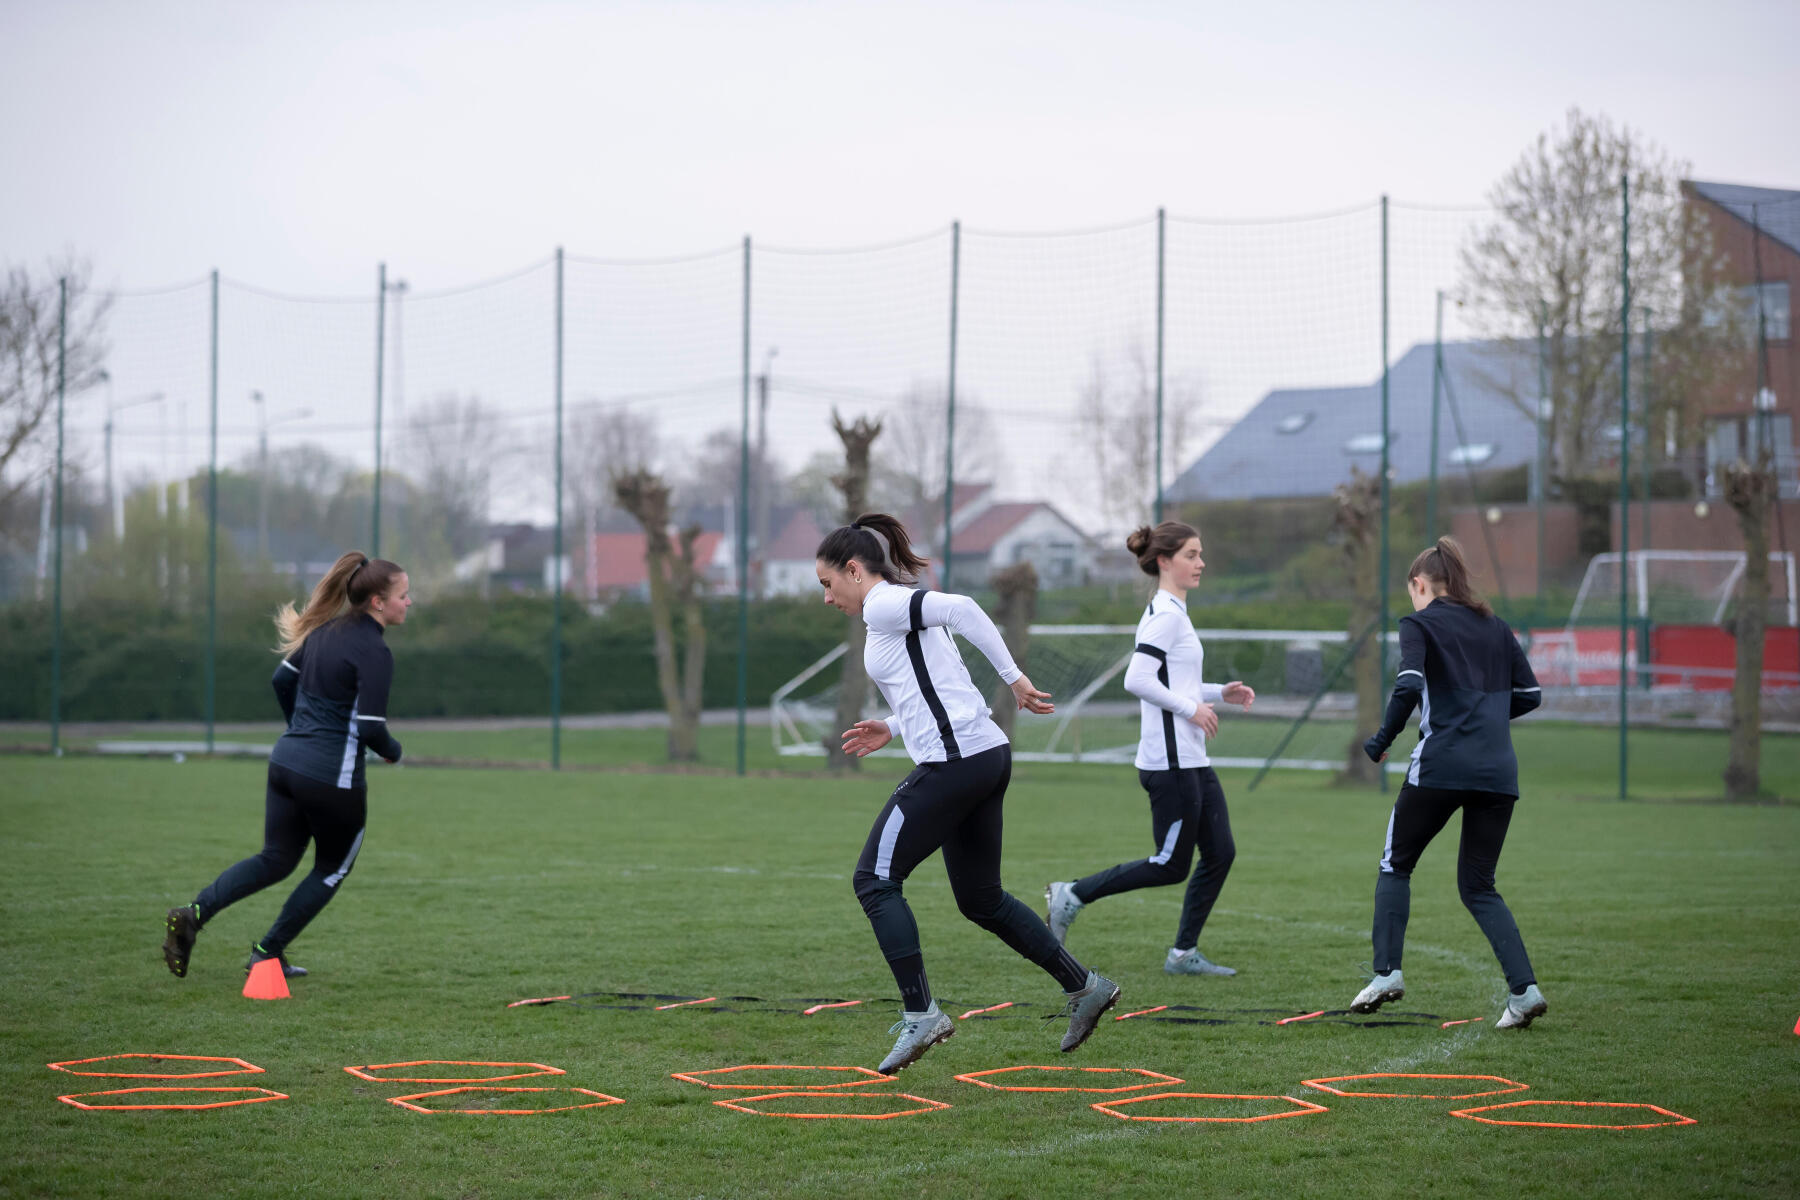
point(1176, 716)
point(333, 687)
point(1464, 667)
point(953, 798)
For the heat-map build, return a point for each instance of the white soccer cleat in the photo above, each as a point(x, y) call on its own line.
point(1381, 990)
point(1064, 908)
point(1192, 962)
point(918, 1032)
point(1523, 1010)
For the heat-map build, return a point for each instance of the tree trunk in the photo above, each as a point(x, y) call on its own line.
point(1018, 588)
point(1358, 519)
point(1750, 490)
point(853, 687)
point(645, 496)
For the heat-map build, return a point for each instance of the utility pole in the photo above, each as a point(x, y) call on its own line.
point(761, 473)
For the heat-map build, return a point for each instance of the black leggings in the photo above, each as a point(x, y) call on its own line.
point(1419, 814)
point(955, 806)
point(1187, 812)
point(296, 810)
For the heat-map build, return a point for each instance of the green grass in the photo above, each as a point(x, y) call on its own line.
point(1664, 935)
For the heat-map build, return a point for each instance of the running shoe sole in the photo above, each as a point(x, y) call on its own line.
point(180, 931)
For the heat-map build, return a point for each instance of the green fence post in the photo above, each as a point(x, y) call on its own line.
point(1381, 581)
point(950, 403)
point(381, 290)
point(743, 529)
point(212, 523)
point(1644, 680)
point(1624, 471)
point(1161, 242)
point(62, 384)
point(1437, 387)
point(556, 570)
point(1543, 444)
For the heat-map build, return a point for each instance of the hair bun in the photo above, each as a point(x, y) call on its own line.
point(1138, 540)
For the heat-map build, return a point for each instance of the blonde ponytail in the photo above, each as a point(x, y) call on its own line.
point(352, 581)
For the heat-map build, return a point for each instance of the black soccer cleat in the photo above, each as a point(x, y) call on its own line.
point(288, 969)
point(180, 929)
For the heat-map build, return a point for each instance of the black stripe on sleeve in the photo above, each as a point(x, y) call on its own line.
point(916, 652)
point(1162, 676)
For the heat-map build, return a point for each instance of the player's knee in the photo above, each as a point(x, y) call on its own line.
point(872, 891)
point(1475, 890)
point(1165, 873)
point(278, 864)
point(983, 905)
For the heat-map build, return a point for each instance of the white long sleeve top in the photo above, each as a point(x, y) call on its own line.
point(910, 654)
point(1165, 675)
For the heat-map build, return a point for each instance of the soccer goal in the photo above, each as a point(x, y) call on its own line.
point(1096, 720)
point(1674, 598)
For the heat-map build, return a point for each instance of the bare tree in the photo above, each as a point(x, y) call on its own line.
point(1357, 518)
point(853, 483)
point(30, 322)
point(1752, 490)
point(1018, 589)
point(1550, 260)
point(604, 444)
point(674, 581)
point(912, 461)
point(1117, 420)
point(453, 449)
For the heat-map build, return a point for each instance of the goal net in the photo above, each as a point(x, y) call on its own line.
point(1096, 720)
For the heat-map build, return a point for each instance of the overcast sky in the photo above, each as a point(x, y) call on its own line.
point(293, 146)
point(296, 144)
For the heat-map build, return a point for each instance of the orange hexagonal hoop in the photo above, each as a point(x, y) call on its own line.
point(242, 1068)
point(602, 1101)
point(1468, 1114)
point(265, 1096)
point(866, 1077)
point(363, 1071)
point(740, 1103)
point(1324, 1085)
point(1301, 1108)
point(1151, 1079)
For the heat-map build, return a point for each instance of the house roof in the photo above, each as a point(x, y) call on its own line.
point(618, 558)
point(796, 540)
point(993, 523)
point(1776, 211)
point(1257, 459)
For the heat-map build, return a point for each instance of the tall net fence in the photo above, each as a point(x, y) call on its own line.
point(1321, 396)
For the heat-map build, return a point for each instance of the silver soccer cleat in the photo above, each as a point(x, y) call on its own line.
point(1063, 909)
point(1523, 1010)
point(918, 1032)
point(1086, 1007)
point(1381, 990)
point(1192, 962)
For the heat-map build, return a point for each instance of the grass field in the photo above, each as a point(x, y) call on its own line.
point(1664, 933)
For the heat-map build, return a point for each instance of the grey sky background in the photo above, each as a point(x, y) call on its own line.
point(294, 146)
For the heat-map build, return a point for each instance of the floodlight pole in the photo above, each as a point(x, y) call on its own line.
point(1161, 243)
point(950, 405)
point(556, 551)
point(62, 380)
point(381, 291)
point(212, 522)
point(743, 529)
point(1624, 473)
point(1437, 388)
point(1381, 580)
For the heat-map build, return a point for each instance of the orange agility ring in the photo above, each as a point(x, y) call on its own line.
point(363, 1071)
point(1301, 1108)
point(1324, 1085)
point(242, 1068)
point(263, 1098)
point(601, 1098)
point(763, 1085)
point(1152, 1079)
point(1468, 1114)
point(741, 1104)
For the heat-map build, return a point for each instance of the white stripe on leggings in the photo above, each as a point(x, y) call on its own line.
point(1168, 846)
point(337, 876)
point(884, 851)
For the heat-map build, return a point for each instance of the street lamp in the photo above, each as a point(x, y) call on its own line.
point(115, 500)
point(263, 421)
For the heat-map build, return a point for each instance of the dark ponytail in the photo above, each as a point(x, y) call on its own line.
point(879, 542)
point(354, 580)
point(1148, 545)
point(1444, 566)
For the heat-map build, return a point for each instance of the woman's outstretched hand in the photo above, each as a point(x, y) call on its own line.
point(866, 737)
point(1238, 693)
point(1030, 699)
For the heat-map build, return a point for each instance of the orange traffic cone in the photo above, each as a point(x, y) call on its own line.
point(267, 981)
